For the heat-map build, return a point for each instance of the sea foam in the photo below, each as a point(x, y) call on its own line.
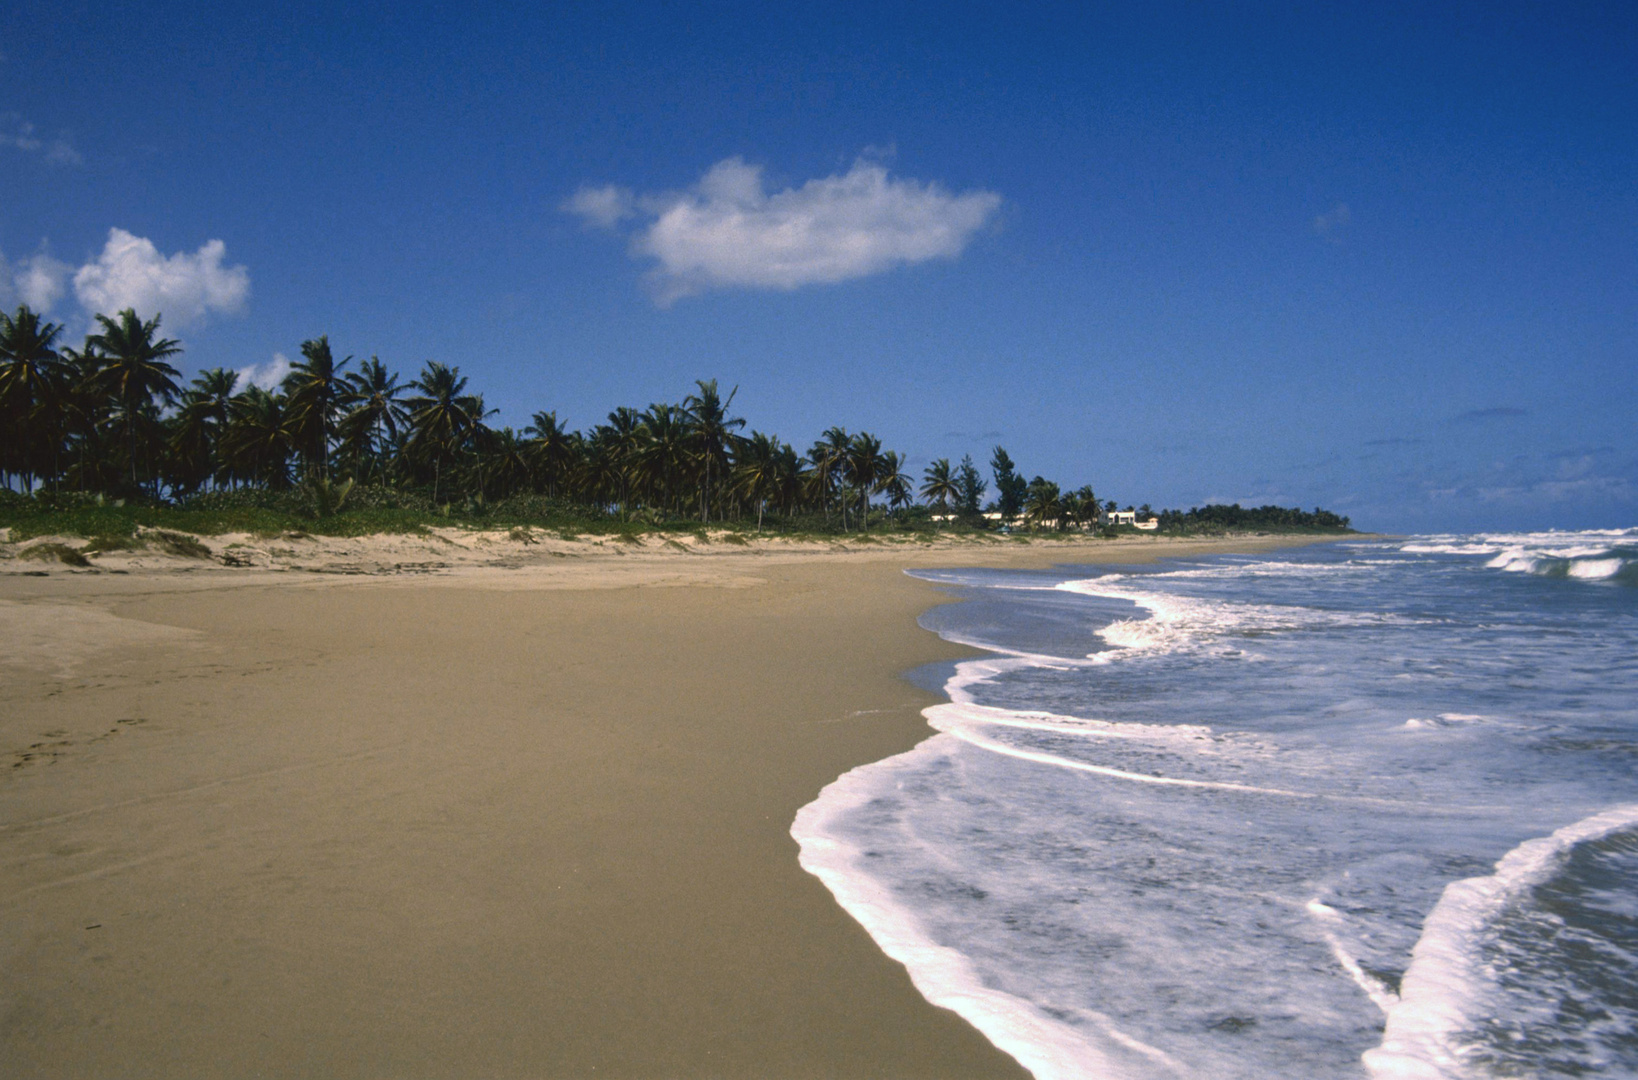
point(1045, 1045)
point(1591, 555)
point(1200, 820)
point(1447, 987)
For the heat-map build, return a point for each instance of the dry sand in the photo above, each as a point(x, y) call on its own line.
point(521, 815)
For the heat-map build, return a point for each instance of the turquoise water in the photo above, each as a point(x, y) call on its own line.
point(1362, 809)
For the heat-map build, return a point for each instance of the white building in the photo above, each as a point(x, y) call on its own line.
point(1127, 517)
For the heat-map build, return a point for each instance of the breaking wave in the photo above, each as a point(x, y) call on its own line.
point(1593, 555)
point(1249, 817)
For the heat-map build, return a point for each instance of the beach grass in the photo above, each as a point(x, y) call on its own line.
point(108, 524)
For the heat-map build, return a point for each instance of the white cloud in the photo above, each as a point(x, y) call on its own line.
point(131, 273)
point(37, 281)
point(19, 134)
point(40, 281)
point(603, 207)
point(267, 376)
point(729, 231)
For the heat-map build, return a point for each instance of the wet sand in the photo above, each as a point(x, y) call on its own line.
point(497, 822)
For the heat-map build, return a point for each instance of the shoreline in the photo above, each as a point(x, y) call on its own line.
point(502, 821)
point(434, 552)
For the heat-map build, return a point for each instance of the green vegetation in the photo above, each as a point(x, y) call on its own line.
point(106, 442)
point(1009, 486)
point(56, 553)
point(1217, 518)
point(177, 544)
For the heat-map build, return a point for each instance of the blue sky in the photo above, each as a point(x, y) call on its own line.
point(1383, 261)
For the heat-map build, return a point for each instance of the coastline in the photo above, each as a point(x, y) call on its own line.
point(489, 820)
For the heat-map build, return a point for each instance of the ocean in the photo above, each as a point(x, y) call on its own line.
point(1358, 809)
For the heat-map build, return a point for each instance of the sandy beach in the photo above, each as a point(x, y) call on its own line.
point(474, 806)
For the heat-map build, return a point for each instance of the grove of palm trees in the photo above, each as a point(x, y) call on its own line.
point(113, 421)
point(111, 424)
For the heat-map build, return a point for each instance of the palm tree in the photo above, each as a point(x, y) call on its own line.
point(1042, 504)
point(1081, 505)
point(793, 478)
point(940, 484)
point(616, 446)
point(30, 385)
point(504, 466)
point(196, 430)
point(132, 369)
point(600, 477)
point(863, 467)
point(713, 435)
point(829, 456)
point(893, 482)
point(665, 453)
point(260, 438)
point(551, 449)
point(374, 413)
point(757, 470)
point(316, 389)
point(87, 419)
point(481, 441)
point(440, 417)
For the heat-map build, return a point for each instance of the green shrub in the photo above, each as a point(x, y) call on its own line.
point(101, 544)
point(179, 544)
point(60, 552)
